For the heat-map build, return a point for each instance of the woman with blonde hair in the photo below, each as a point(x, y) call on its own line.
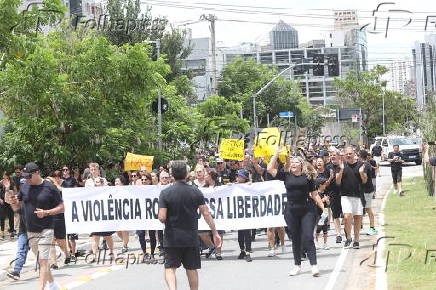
point(300, 187)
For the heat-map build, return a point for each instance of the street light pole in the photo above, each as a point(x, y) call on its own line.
point(264, 88)
point(159, 100)
point(383, 106)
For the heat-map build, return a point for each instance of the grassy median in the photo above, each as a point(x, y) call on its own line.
point(411, 220)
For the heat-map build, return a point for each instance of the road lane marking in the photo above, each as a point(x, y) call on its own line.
point(338, 267)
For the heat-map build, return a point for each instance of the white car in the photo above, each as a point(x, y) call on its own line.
point(409, 147)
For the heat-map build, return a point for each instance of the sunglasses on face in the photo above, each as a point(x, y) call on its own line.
point(65, 169)
point(134, 175)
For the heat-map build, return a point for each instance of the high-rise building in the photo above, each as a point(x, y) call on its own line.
point(345, 19)
point(424, 71)
point(283, 36)
point(400, 75)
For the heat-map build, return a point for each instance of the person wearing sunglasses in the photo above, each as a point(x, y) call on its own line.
point(134, 177)
point(39, 200)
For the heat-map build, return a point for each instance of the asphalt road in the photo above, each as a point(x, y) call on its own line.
point(263, 273)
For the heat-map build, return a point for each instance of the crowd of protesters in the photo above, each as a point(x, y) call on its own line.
point(324, 185)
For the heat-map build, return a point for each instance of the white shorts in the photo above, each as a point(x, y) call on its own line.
point(377, 159)
point(351, 204)
point(368, 199)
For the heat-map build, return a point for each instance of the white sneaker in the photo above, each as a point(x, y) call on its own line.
point(283, 249)
point(315, 271)
point(295, 271)
point(272, 253)
point(52, 286)
point(326, 247)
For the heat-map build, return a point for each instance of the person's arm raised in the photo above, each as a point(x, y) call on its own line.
point(273, 163)
point(340, 173)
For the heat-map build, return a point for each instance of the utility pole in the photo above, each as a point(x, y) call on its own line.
point(212, 18)
point(159, 100)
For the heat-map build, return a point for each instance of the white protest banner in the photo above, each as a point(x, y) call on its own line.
point(116, 208)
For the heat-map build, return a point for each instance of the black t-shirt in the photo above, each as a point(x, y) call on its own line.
point(223, 174)
point(368, 187)
point(44, 196)
point(351, 183)
point(232, 175)
point(297, 187)
point(376, 150)
point(333, 188)
point(395, 165)
point(70, 182)
point(373, 164)
point(432, 161)
point(181, 226)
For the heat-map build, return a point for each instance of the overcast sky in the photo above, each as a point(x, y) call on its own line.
point(312, 18)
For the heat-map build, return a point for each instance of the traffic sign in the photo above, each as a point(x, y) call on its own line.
point(164, 105)
point(354, 118)
point(286, 114)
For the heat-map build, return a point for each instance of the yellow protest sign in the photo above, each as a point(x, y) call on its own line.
point(266, 144)
point(232, 149)
point(135, 161)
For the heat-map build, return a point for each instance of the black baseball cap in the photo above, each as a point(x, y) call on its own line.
point(29, 168)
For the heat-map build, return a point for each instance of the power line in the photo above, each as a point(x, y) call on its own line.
point(197, 5)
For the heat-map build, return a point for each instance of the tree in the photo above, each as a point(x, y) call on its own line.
point(364, 90)
point(241, 79)
point(174, 47)
point(77, 98)
point(147, 27)
point(221, 118)
point(15, 26)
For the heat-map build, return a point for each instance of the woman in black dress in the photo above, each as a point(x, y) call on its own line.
point(299, 217)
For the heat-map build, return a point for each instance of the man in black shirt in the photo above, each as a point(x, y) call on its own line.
point(178, 205)
point(38, 200)
point(223, 172)
point(350, 178)
point(368, 190)
point(396, 160)
point(376, 153)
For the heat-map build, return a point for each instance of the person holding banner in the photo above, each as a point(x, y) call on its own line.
point(178, 206)
point(107, 236)
point(299, 217)
point(94, 174)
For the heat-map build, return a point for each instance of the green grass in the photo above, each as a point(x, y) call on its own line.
point(412, 220)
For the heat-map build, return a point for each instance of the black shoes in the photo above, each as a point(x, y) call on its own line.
point(356, 245)
point(347, 244)
point(338, 239)
point(13, 275)
point(248, 258)
point(241, 255)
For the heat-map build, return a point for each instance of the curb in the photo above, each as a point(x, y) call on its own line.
point(29, 266)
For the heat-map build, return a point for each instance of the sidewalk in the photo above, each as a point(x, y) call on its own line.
point(8, 251)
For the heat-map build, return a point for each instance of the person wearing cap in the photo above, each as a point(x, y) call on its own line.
point(244, 236)
point(39, 200)
point(223, 172)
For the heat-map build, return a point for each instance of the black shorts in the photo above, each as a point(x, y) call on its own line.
point(72, 237)
point(397, 175)
point(322, 228)
point(335, 205)
point(188, 256)
point(59, 229)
